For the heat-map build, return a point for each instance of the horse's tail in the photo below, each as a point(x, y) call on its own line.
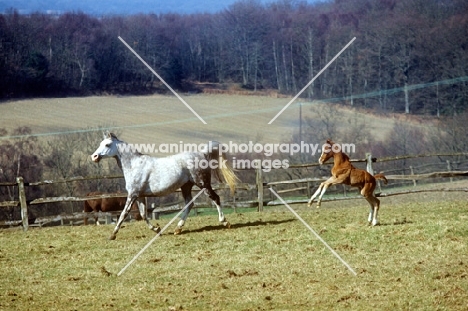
point(223, 167)
point(382, 177)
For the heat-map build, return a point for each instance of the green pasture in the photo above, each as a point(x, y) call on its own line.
point(417, 259)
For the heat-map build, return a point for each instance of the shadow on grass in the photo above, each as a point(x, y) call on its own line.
point(397, 222)
point(238, 225)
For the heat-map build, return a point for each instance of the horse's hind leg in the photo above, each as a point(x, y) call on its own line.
point(215, 198)
point(123, 215)
point(142, 209)
point(187, 194)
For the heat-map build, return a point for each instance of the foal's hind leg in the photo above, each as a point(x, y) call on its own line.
point(368, 192)
point(375, 219)
point(374, 210)
point(142, 209)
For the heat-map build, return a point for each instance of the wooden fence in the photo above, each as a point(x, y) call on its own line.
point(259, 186)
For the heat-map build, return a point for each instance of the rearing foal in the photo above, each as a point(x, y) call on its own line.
point(343, 172)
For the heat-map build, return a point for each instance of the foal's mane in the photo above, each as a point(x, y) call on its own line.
point(345, 156)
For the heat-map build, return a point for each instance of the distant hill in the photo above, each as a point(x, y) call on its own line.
point(118, 7)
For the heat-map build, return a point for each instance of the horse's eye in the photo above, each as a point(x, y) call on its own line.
point(108, 145)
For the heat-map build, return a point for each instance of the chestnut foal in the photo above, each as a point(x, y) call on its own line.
point(343, 172)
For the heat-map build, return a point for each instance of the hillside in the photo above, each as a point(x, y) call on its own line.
point(164, 119)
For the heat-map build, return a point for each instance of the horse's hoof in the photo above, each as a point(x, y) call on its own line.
point(177, 231)
point(227, 224)
point(157, 229)
point(112, 237)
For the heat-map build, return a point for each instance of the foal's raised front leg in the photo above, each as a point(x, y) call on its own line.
point(123, 215)
point(322, 189)
point(315, 195)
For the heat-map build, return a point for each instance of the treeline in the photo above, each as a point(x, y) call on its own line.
point(409, 55)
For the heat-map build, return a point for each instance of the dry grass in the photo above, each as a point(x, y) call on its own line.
point(164, 119)
point(268, 261)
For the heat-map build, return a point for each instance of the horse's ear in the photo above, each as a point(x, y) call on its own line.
point(329, 141)
point(105, 134)
point(113, 136)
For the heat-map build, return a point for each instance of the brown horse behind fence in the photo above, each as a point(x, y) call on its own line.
point(343, 172)
point(107, 205)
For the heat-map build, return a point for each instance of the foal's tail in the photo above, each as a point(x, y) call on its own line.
point(224, 168)
point(382, 177)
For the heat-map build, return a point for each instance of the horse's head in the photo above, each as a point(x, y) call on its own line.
point(107, 148)
point(327, 151)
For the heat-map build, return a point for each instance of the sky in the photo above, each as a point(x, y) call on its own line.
point(119, 7)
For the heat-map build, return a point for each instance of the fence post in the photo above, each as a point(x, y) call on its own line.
point(260, 189)
point(154, 213)
point(369, 168)
point(412, 173)
point(24, 205)
point(449, 168)
point(309, 194)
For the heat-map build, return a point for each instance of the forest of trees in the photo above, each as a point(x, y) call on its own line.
point(409, 56)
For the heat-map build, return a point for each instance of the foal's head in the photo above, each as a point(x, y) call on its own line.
point(327, 151)
point(107, 148)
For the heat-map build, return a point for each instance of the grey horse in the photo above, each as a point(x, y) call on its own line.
point(150, 176)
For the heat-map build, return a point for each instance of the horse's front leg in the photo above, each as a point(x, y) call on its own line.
point(142, 209)
point(123, 215)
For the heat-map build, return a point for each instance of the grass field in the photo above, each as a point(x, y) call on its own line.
point(416, 260)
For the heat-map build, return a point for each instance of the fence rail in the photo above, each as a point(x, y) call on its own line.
point(258, 186)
